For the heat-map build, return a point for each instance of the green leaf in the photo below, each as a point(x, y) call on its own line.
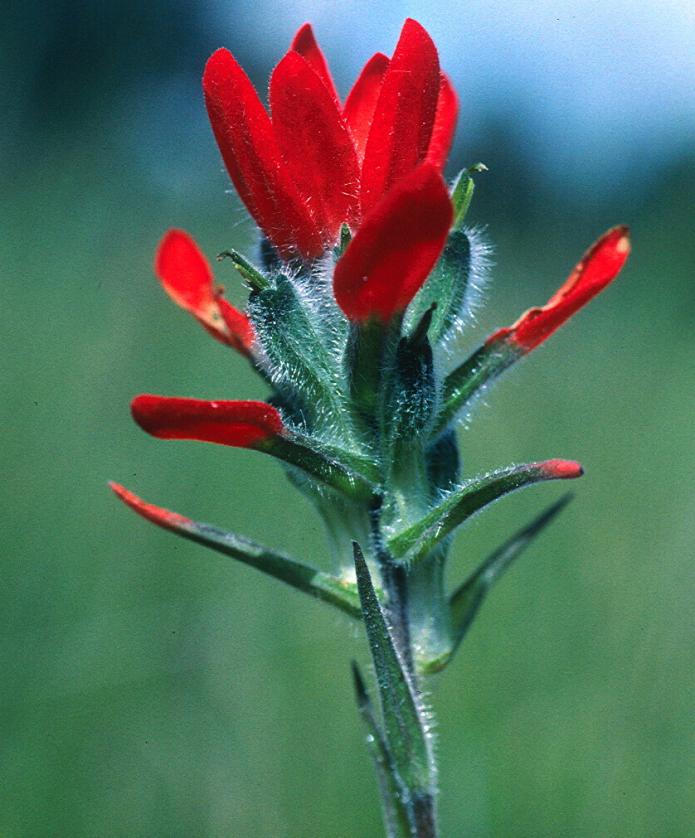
point(447, 286)
point(420, 539)
point(467, 599)
point(471, 378)
point(255, 278)
point(462, 192)
point(404, 726)
point(395, 817)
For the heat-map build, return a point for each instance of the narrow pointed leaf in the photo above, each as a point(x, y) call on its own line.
point(251, 155)
point(361, 101)
point(187, 278)
point(444, 124)
point(401, 130)
point(395, 248)
point(304, 43)
point(404, 726)
point(420, 539)
point(395, 817)
point(316, 145)
point(467, 599)
point(254, 277)
point(462, 192)
point(296, 574)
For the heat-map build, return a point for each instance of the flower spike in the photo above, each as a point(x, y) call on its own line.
point(304, 43)
point(598, 268)
point(395, 248)
point(361, 101)
point(250, 152)
point(404, 116)
point(316, 146)
point(187, 278)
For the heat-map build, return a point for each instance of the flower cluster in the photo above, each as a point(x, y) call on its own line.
point(365, 272)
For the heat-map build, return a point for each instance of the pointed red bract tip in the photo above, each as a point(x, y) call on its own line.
point(361, 101)
point(316, 146)
point(598, 268)
point(562, 469)
point(305, 43)
point(161, 517)
point(444, 124)
point(396, 247)
point(241, 424)
point(187, 278)
point(404, 115)
point(251, 155)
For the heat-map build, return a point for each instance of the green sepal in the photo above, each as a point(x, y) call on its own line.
point(395, 816)
point(254, 278)
point(369, 357)
point(298, 575)
point(471, 377)
point(447, 286)
point(462, 192)
point(465, 602)
point(420, 539)
point(296, 354)
point(404, 727)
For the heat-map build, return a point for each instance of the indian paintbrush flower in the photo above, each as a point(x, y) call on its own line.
point(365, 272)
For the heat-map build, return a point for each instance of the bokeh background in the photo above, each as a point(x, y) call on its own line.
point(152, 689)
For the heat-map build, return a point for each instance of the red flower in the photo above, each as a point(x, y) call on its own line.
point(316, 164)
point(241, 424)
point(598, 268)
point(187, 278)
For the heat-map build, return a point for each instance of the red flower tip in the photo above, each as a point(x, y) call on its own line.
point(598, 268)
point(187, 278)
point(562, 469)
point(316, 146)
point(395, 248)
point(251, 155)
point(361, 101)
point(444, 123)
point(404, 116)
point(304, 42)
point(242, 424)
point(161, 517)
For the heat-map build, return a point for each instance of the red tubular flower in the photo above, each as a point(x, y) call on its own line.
point(404, 116)
point(241, 424)
point(187, 278)
point(315, 164)
point(156, 514)
point(395, 248)
point(316, 145)
point(598, 268)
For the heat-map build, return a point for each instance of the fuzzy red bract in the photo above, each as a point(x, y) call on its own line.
point(241, 424)
point(598, 268)
point(395, 248)
point(304, 43)
point(561, 469)
point(187, 278)
point(361, 101)
point(444, 123)
point(316, 145)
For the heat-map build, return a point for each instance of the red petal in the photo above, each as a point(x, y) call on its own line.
point(361, 101)
point(404, 116)
point(237, 423)
point(245, 136)
point(444, 124)
point(599, 266)
point(562, 469)
point(162, 517)
point(395, 248)
point(187, 278)
point(316, 145)
point(305, 44)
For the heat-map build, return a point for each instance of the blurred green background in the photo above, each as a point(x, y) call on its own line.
point(152, 689)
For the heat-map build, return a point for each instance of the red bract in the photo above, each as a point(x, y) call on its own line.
point(561, 469)
point(597, 269)
point(187, 278)
point(315, 164)
point(395, 248)
point(241, 424)
point(162, 517)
